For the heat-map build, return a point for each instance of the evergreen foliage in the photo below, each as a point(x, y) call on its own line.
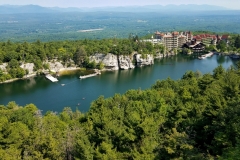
point(78, 51)
point(196, 117)
point(237, 42)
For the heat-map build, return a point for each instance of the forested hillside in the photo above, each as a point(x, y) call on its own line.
point(73, 25)
point(196, 117)
point(67, 52)
point(77, 52)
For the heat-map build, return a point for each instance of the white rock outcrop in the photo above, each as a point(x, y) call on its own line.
point(171, 53)
point(148, 60)
point(109, 60)
point(126, 62)
point(55, 66)
point(159, 55)
point(98, 57)
point(3, 67)
point(29, 67)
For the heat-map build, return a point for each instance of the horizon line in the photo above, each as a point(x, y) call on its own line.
point(117, 6)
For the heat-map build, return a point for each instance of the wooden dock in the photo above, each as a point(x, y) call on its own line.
point(97, 72)
point(51, 78)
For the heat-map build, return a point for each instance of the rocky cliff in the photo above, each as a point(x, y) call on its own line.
point(109, 60)
point(126, 62)
point(113, 62)
point(144, 61)
point(55, 66)
point(159, 55)
point(29, 67)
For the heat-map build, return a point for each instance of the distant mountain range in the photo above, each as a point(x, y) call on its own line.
point(11, 9)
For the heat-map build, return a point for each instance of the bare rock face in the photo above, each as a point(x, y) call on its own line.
point(171, 53)
point(144, 61)
point(55, 66)
point(159, 56)
point(109, 60)
point(114, 62)
point(3, 67)
point(29, 67)
point(98, 57)
point(125, 62)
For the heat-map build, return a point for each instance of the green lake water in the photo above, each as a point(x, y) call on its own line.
point(79, 94)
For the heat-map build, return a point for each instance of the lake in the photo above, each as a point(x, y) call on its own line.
point(79, 93)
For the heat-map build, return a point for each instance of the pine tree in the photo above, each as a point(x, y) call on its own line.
point(237, 42)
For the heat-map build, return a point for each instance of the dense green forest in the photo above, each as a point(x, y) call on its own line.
point(66, 26)
point(195, 117)
point(77, 52)
point(68, 52)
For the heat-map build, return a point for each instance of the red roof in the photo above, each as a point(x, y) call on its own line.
point(225, 36)
point(213, 36)
point(202, 35)
point(198, 39)
point(157, 32)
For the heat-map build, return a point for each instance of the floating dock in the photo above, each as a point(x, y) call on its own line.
point(97, 72)
point(51, 78)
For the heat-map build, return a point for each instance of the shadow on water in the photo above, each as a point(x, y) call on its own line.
point(221, 59)
point(76, 93)
point(25, 86)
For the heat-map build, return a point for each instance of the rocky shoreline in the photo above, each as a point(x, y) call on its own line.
point(116, 62)
point(111, 62)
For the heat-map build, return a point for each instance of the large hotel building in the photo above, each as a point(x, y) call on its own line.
point(174, 39)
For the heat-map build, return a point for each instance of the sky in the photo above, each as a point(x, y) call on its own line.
point(231, 4)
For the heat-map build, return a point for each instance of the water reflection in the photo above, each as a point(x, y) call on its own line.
point(220, 59)
point(79, 94)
